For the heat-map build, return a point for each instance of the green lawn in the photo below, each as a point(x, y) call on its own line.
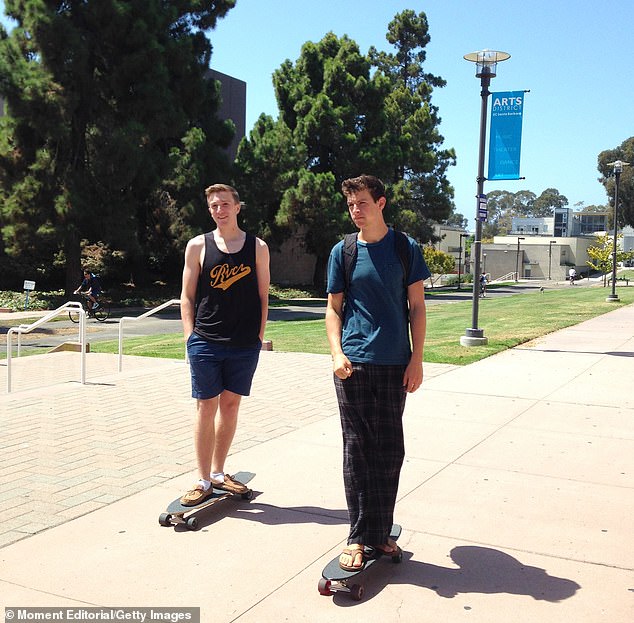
point(506, 322)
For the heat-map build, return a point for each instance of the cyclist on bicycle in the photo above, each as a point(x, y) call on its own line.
point(90, 287)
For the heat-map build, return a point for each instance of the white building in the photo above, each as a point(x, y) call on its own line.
point(564, 223)
point(535, 257)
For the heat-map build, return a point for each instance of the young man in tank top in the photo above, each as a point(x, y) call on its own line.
point(224, 307)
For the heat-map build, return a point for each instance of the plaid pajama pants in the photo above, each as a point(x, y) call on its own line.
point(371, 403)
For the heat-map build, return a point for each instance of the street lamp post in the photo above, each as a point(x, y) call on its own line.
point(517, 258)
point(486, 64)
point(550, 252)
point(618, 169)
point(460, 257)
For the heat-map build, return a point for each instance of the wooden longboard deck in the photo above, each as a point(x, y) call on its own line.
point(176, 508)
point(332, 571)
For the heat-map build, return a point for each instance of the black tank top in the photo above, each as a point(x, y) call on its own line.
point(228, 307)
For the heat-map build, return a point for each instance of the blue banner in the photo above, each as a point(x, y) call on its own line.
point(505, 135)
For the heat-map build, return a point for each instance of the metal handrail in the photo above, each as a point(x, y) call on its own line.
point(145, 315)
point(27, 328)
point(507, 277)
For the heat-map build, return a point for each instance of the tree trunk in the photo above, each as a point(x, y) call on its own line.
point(319, 275)
point(72, 250)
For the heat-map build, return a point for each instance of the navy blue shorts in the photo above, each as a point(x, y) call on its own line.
point(217, 367)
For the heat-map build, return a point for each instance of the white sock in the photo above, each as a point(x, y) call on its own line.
point(205, 483)
point(218, 476)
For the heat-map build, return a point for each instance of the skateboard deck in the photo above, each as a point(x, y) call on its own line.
point(334, 579)
point(176, 513)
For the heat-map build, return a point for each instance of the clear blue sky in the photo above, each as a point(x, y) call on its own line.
point(575, 56)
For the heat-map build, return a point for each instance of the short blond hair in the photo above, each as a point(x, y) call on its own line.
point(222, 188)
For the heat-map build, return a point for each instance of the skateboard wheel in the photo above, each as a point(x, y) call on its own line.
point(247, 495)
point(192, 523)
point(165, 519)
point(398, 558)
point(324, 587)
point(356, 592)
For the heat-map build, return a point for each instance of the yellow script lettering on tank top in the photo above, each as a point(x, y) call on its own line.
point(224, 276)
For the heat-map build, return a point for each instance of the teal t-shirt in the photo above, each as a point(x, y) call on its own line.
point(375, 324)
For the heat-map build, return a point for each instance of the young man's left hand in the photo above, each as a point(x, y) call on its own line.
point(413, 377)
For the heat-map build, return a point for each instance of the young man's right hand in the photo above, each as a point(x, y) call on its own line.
point(341, 366)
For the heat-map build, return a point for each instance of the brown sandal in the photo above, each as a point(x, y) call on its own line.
point(393, 551)
point(353, 551)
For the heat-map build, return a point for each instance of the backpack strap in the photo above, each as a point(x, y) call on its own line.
point(349, 258)
point(403, 251)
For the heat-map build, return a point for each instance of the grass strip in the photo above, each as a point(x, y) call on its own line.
point(506, 322)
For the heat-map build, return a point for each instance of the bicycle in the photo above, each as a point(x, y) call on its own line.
point(102, 313)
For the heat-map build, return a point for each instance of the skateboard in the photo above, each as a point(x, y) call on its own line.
point(334, 579)
point(177, 514)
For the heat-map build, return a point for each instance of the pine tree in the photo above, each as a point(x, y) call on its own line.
point(338, 118)
point(101, 95)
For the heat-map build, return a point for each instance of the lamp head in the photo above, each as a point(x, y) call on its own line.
point(618, 165)
point(486, 61)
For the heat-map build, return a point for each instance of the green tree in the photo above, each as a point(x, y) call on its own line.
point(416, 164)
point(600, 255)
point(338, 118)
point(330, 106)
point(501, 206)
point(308, 206)
point(523, 202)
point(266, 161)
point(625, 153)
point(101, 96)
point(457, 220)
point(438, 262)
point(545, 204)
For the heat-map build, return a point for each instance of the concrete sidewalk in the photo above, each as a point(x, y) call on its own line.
point(516, 497)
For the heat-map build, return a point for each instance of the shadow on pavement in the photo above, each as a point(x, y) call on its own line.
point(267, 514)
point(481, 570)
point(488, 571)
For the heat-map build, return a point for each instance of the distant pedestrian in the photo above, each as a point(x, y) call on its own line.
point(483, 284)
point(572, 275)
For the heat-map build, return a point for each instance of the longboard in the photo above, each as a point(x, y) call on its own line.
point(334, 579)
point(176, 513)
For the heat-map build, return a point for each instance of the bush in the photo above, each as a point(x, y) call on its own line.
point(292, 292)
point(37, 300)
point(127, 295)
point(121, 296)
point(452, 280)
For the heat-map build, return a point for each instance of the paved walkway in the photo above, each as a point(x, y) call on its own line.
point(516, 497)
